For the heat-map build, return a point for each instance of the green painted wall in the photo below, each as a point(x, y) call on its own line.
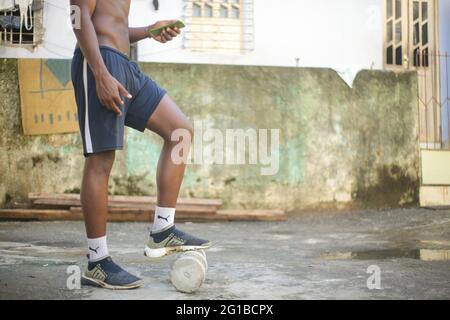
point(338, 146)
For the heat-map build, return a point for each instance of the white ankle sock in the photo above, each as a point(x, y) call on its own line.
point(98, 249)
point(163, 219)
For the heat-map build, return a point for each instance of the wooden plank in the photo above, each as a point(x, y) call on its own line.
point(21, 205)
point(251, 218)
point(66, 215)
point(253, 215)
point(43, 203)
point(77, 215)
point(251, 212)
point(73, 196)
point(67, 204)
point(202, 218)
point(231, 218)
point(42, 215)
point(128, 199)
point(124, 215)
point(133, 214)
point(181, 209)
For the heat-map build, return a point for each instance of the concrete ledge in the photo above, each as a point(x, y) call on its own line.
point(435, 167)
point(434, 196)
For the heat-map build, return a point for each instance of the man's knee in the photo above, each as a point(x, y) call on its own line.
point(182, 131)
point(189, 128)
point(100, 163)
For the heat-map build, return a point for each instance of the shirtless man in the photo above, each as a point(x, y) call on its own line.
point(112, 92)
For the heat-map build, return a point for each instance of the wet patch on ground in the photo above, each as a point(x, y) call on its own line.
point(419, 254)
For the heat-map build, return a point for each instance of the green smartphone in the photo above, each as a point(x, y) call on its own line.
point(157, 31)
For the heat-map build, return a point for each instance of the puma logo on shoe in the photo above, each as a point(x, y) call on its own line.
point(164, 218)
point(95, 250)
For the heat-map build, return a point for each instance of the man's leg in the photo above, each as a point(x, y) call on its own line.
point(102, 271)
point(165, 238)
point(94, 192)
point(166, 119)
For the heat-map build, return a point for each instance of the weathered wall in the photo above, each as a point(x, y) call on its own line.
point(33, 163)
point(339, 146)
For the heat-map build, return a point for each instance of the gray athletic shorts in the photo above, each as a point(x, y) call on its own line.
point(101, 129)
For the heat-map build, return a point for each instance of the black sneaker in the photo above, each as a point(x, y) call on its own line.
point(173, 240)
point(106, 274)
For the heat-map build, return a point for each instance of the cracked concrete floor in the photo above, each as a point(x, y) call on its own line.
point(312, 256)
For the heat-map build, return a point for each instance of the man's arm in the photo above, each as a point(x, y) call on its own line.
point(108, 88)
point(138, 34)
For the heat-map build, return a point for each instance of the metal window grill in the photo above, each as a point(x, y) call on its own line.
point(228, 28)
point(433, 99)
point(12, 33)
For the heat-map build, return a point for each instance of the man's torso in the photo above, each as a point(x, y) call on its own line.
point(110, 20)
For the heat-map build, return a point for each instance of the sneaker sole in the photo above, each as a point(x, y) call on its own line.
point(87, 281)
point(162, 252)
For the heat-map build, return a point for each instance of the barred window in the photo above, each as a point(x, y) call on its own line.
point(408, 33)
point(224, 26)
point(28, 33)
point(395, 26)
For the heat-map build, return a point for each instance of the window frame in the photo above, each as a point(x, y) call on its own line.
point(403, 20)
point(216, 6)
point(408, 35)
point(219, 34)
point(38, 29)
point(431, 39)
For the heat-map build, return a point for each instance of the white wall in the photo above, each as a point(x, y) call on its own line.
point(322, 33)
point(343, 34)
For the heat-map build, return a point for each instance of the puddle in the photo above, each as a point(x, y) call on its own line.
point(280, 232)
point(281, 237)
point(60, 244)
point(418, 254)
point(314, 241)
point(12, 253)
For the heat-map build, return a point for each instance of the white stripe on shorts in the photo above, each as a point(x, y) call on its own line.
point(87, 131)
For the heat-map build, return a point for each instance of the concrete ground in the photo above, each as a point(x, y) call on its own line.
point(316, 256)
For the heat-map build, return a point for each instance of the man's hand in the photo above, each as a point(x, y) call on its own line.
point(110, 92)
point(168, 33)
